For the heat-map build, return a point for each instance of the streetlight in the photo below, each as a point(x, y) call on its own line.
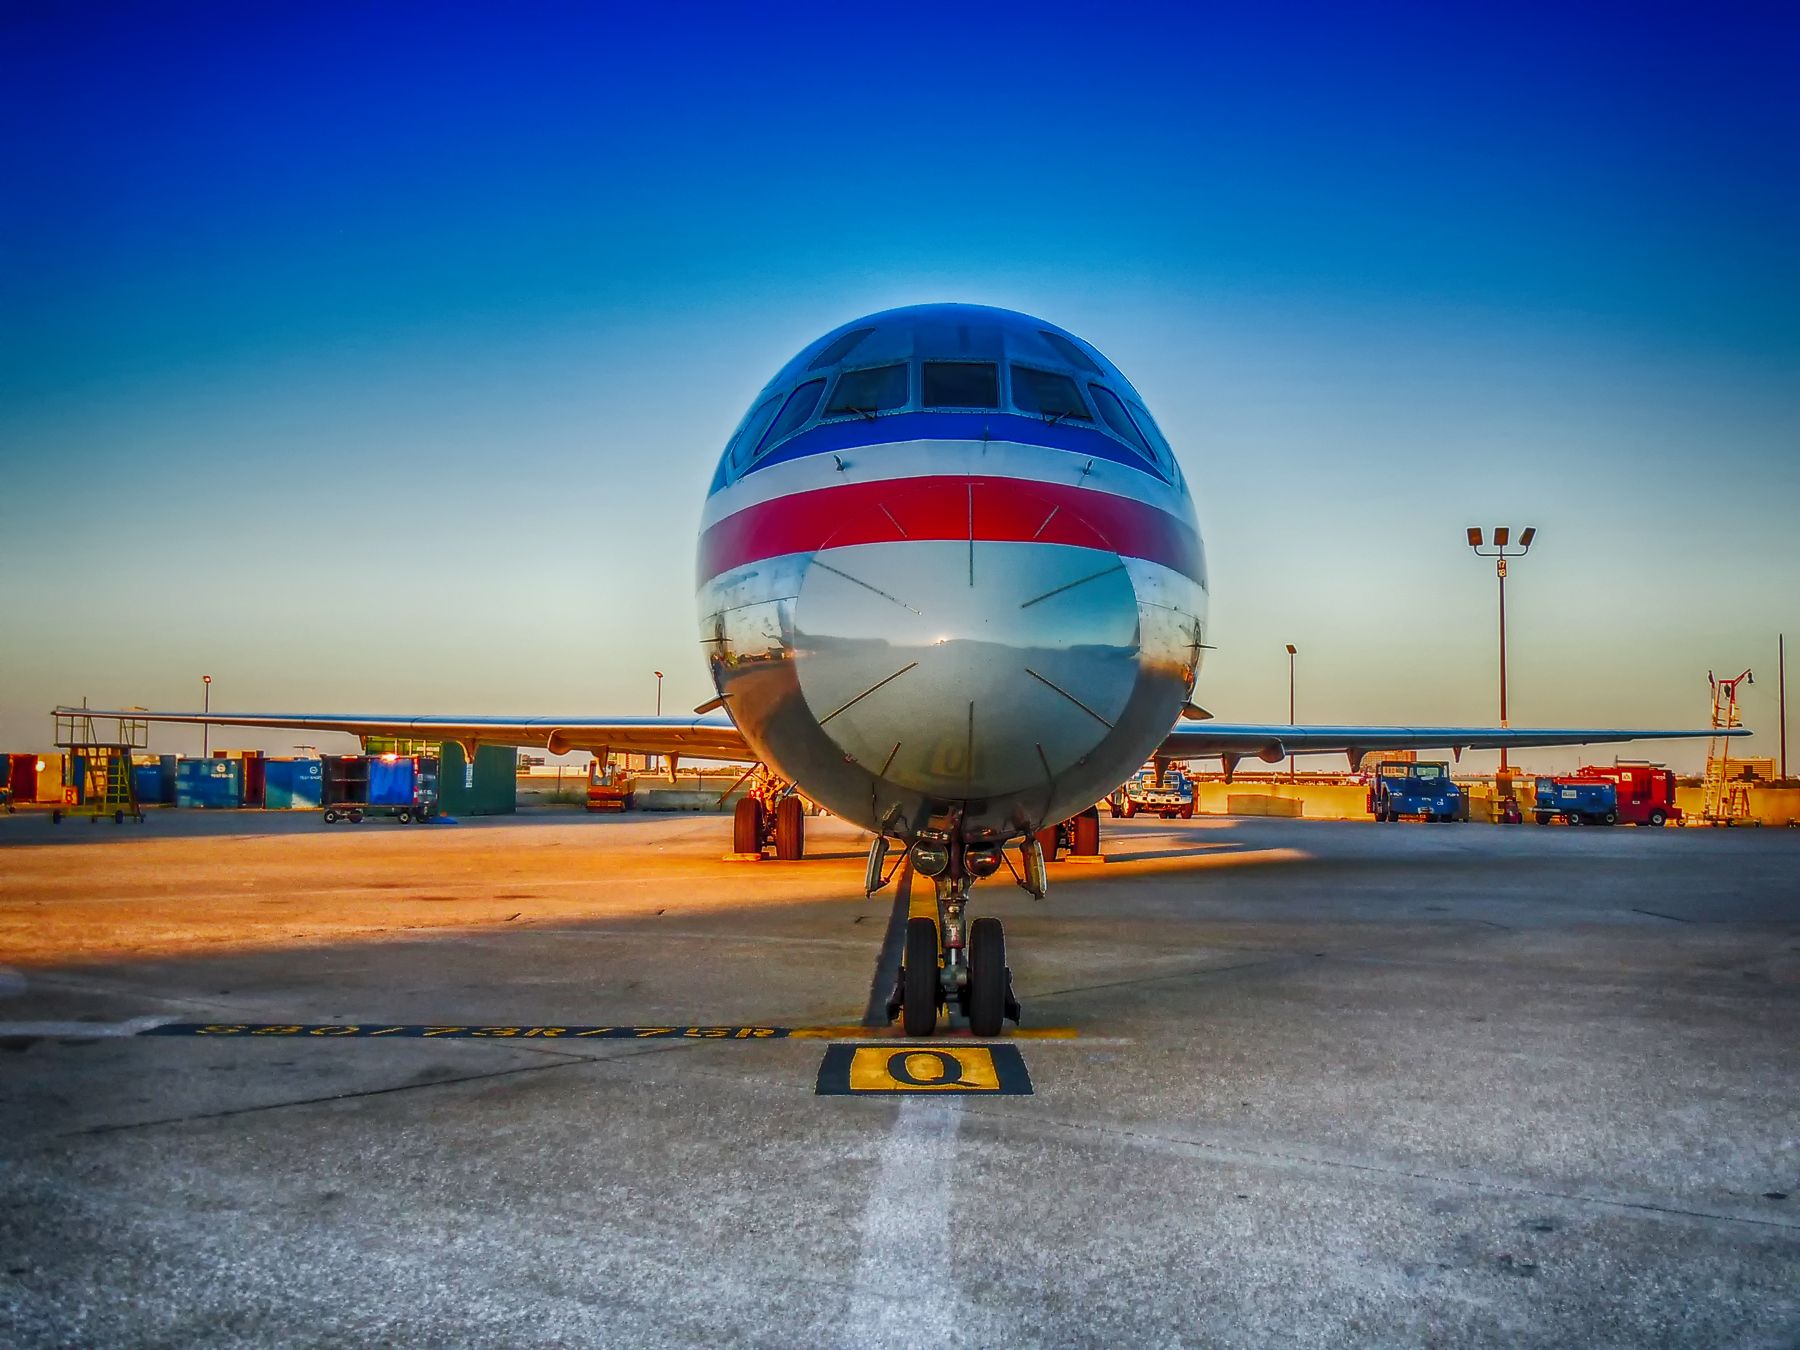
point(658, 675)
point(205, 708)
point(1291, 722)
point(1502, 549)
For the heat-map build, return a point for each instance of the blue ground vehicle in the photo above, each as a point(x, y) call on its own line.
point(1422, 789)
point(1142, 794)
point(1580, 801)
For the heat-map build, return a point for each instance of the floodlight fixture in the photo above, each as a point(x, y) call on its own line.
point(1502, 548)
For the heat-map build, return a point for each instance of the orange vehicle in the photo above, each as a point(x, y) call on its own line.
point(610, 787)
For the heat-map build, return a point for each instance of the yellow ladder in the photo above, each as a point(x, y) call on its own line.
point(108, 783)
point(1725, 802)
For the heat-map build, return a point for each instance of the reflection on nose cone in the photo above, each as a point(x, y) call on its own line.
point(966, 669)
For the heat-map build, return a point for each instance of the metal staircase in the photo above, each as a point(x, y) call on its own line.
point(104, 782)
point(1726, 802)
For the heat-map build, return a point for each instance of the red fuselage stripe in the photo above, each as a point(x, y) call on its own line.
point(998, 510)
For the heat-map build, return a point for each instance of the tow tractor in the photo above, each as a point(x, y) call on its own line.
point(1421, 789)
point(1172, 797)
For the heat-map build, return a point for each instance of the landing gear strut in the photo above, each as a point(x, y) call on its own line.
point(947, 963)
point(769, 818)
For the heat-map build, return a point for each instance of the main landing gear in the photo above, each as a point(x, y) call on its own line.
point(770, 818)
point(948, 962)
point(1078, 836)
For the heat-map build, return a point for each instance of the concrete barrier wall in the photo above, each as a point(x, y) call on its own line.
point(1345, 801)
point(1770, 806)
point(1315, 801)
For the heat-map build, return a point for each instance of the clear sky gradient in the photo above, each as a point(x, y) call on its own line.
point(378, 359)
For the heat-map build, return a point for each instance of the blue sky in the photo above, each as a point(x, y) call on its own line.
point(378, 358)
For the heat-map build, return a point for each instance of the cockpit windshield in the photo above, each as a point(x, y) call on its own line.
point(959, 384)
point(878, 389)
point(1048, 394)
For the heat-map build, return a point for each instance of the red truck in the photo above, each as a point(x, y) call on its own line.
point(1646, 791)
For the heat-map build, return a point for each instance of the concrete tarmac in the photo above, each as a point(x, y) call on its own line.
point(1330, 1084)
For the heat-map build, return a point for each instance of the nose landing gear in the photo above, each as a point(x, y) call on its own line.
point(946, 964)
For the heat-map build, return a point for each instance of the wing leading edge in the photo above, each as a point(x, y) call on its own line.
point(711, 736)
point(1276, 742)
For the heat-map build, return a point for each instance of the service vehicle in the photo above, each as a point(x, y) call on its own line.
point(403, 787)
point(1645, 792)
point(1141, 793)
point(610, 787)
point(1422, 788)
point(1577, 800)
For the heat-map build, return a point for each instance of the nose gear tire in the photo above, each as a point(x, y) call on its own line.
point(919, 978)
point(987, 997)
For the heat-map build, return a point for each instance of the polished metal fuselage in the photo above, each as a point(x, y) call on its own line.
point(927, 662)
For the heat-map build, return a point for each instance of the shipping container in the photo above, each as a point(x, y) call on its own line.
point(148, 779)
point(491, 790)
point(210, 783)
point(255, 778)
point(22, 778)
point(292, 784)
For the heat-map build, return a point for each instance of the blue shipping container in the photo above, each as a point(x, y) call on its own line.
point(147, 780)
point(292, 784)
point(391, 781)
point(209, 783)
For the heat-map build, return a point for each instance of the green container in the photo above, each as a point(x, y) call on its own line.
point(492, 790)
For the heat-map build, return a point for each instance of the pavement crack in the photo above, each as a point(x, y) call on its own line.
point(1242, 1154)
point(562, 1062)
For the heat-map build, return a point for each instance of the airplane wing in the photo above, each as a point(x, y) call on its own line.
point(1237, 741)
point(710, 736)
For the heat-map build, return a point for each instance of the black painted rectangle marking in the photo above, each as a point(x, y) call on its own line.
point(923, 1068)
point(469, 1032)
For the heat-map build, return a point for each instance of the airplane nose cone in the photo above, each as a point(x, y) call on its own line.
point(964, 669)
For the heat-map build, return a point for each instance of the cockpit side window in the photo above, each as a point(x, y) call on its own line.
point(1152, 433)
point(794, 413)
point(1071, 353)
point(838, 350)
point(1053, 397)
point(868, 392)
point(959, 384)
point(751, 432)
point(1113, 413)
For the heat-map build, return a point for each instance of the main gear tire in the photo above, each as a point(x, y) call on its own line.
point(746, 826)
point(1087, 834)
point(790, 829)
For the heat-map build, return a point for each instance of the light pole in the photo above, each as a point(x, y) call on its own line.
point(205, 708)
point(658, 675)
point(1291, 722)
point(1501, 550)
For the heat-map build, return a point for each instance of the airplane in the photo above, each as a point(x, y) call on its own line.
point(951, 588)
